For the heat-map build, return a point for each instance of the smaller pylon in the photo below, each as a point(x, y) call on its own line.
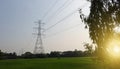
point(39, 44)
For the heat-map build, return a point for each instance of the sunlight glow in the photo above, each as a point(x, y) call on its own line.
point(117, 29)
point(114, 49)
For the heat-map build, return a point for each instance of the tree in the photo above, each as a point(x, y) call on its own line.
point(55, 54)
point(1, 54)
point(14, 55)
point(27, 55)
point(89, 49)
point(103, 18)
point(40, 55)
point(78, 53)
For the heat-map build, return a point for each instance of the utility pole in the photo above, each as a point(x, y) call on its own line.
point(39, 44)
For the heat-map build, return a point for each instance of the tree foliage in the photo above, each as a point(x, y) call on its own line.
point(89, 48)
point(103, 18)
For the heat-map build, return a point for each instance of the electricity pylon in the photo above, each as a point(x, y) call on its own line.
point(39, 49)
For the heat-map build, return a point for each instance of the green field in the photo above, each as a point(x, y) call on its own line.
point(50, 63)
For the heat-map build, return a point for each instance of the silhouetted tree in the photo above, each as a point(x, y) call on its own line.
point(14, 55)
point(103, 18)
point(55, 54)
point(67, 54)
point(40, 55)
point(89, 49)
point(1, 54)
point(78, 53)
point(27, 55)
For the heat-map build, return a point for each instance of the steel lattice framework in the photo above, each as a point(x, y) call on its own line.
point(39, 43)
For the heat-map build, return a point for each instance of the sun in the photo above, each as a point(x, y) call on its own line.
point(116, 49)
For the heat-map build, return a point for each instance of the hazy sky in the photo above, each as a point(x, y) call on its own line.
point(17, 19)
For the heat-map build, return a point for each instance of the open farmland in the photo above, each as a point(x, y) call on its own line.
point(50, 63)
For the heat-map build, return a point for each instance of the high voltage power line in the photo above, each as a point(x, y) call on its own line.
point(64, 30)
point(51, 8)
point(65, 5)
point(66, 17)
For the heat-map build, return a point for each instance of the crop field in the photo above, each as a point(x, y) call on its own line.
point(50, 63)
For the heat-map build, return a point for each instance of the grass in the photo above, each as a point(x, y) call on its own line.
point(50, 63)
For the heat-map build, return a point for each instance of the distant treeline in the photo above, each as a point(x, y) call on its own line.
point(76, 53)
point(7, 55)
point(52, 54)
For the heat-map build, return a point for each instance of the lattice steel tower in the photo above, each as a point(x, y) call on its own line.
point(39, 44)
